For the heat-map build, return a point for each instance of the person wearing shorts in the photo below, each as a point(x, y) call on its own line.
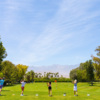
point(22, 87)
point(75, 88)
point(49, 88)
point(1, 84)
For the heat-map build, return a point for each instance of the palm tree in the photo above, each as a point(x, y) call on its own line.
point(44, 74)
point(39, 75)
point(57, 74)
point(28, 76)
point(36, 75)
point(32, 75)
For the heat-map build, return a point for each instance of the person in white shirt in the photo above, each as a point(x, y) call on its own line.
point(75, 88)
point(22, 86)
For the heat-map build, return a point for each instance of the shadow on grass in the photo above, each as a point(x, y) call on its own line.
point(5, 90)
point(2, 95)
point(9, 85)
point(25, 95)
point(92, 84)
point(95, 84)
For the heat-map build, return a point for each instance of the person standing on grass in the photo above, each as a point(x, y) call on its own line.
point(75, 88)
point(22, 86)
point(1, 84)
point(49, 88)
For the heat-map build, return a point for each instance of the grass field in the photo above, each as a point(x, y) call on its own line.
point(13, 92)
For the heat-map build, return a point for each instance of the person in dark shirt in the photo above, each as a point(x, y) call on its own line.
point(49, 88)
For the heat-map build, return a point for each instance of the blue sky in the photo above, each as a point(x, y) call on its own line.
point(47, 32)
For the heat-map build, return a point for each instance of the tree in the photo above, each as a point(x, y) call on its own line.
point(97, 63)
point(79, 75)
point(44, 74)
point(39, 75)
point(73, 73)
point(54, 75)
point(85, 72)
point(90, 71)
point(3, 53)
point(9, 71)
point(36, 75)
point(1, 75)
point(32, 74)
point(28, 76)
point(57, 74)
point(21, 71)
point(81, 72)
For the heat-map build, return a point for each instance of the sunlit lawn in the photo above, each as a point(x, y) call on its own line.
point(13, 92)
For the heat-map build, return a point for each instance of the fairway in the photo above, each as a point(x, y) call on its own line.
point(31, 89)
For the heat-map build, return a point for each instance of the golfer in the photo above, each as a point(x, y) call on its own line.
point(22, 87)
point(1, 84)
point(75, 88)
point(49, 88)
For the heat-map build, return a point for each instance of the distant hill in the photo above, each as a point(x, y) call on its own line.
point(62, 69)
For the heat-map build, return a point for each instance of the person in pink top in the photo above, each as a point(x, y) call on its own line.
point(49, 88)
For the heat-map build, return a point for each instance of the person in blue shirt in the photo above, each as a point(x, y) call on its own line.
point(75, 88)
point(1, 84)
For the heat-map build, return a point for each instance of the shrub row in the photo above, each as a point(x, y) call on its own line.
point(51, 79)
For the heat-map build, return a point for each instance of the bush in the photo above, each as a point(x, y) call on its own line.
point(51, 79)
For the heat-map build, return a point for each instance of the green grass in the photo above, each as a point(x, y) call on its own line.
point(13, 92)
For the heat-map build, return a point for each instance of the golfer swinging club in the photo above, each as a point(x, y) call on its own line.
point(75, 88)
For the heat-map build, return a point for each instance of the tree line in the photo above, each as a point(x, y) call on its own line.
point(15, 73)
point(88, 71)
point(31, 76)
point(11, 72)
